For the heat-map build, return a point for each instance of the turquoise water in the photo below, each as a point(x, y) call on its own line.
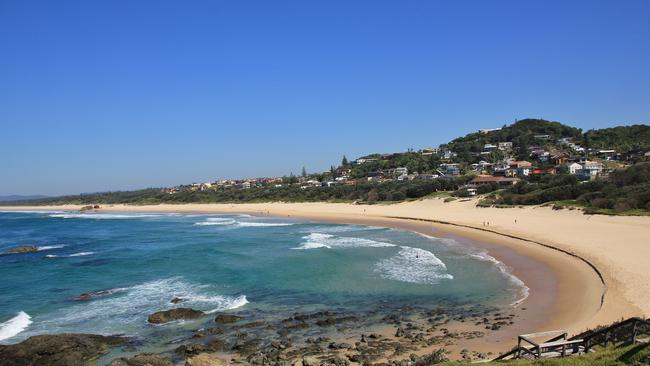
point(134, 264)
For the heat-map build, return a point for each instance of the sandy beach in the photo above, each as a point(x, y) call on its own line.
point(582, 270)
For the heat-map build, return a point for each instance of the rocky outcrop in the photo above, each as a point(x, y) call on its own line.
point(145, 359)
point(166, 316)
point(58, 350)
point(22, 249)
point(204, 359)
point(227, 318)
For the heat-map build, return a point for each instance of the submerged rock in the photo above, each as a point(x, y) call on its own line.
point(167, 316)
point(58, 349)
point(145, 359)
point(22, 249)
point(227, 318)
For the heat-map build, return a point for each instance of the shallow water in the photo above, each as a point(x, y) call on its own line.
point(134, 264)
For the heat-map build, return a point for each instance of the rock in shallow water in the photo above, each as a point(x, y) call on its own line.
point(58, 350)
point(166, 316)
point(227, 318)
point(204, 359)
point(22, 249)
point(145, 359)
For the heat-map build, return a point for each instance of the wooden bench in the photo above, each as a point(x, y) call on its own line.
point(556, 341)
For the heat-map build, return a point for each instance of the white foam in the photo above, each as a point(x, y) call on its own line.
point(221, 221)
point(506, 272)
point(115, 310)
point(335, 229)
point(413, 265)
point(320, 240)
point(99, 216)
point(524, 291)
point(210, 221)
point(226, 303)
point(262, 224)
point(15, 325)
point(80, 254)
point(48, 247)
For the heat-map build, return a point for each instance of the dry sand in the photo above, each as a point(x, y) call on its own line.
point(600, 274)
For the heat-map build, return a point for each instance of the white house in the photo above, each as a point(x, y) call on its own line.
point(574, 167)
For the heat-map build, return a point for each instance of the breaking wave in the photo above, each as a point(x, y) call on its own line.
point(80, 254)
point(15, 325)
point(110, 311)
point(482, 255)
point(221, 221)
point(320, 240)
point(48, 247)
point(413, 265)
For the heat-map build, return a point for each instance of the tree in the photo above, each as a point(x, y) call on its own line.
point(344, 161)
point(304, 172)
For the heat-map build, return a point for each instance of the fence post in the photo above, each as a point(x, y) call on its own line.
point(634, 332)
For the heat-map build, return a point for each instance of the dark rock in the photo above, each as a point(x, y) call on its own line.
point(84, 296)
point(167, 316)
point(187, 350)
point(329, 321)
point(399, 332)
point(337, 361)
point(227, 318)
point(145, 359)
point(177, 300)
point(22, 249)
point(58, 349)
point(341, 345)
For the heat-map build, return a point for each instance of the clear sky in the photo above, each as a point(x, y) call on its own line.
point(106, 95)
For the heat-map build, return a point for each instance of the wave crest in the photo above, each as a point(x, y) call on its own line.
point(15, 325)
point(413, 265)
point(320, 240)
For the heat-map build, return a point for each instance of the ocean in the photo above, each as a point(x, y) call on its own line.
point(132, 265)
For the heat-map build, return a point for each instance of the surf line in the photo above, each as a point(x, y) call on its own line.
point(549, 246)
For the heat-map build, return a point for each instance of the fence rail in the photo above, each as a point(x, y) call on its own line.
point(625, 332)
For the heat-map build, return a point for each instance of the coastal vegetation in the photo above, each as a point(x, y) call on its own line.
point(625, 190)
point(601, 171)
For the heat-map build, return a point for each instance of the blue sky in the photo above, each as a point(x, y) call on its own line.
point(106, 95)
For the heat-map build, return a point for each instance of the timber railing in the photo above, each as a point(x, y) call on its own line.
point(625, 332)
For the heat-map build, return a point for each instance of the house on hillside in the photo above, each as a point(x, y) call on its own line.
point(488, 130)
point(399, 173)
point(448, 154)
point(489, 147)
point(449, 169)
point(430, 151)
point(590, 170)
point(504, 146)
point(375, 176)
point(574, 167)
point(542, 137)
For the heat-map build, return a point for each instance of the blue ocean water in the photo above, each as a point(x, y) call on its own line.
point(134, 264)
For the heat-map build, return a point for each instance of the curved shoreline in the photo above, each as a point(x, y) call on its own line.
point(598, 272)
point(583, 294)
